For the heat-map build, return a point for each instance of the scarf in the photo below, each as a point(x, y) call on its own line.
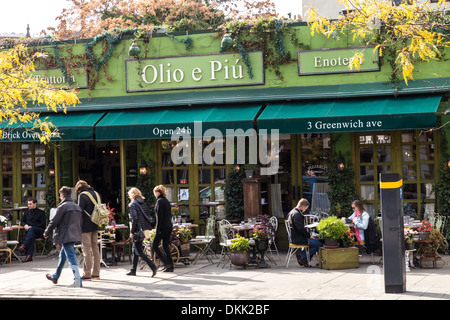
point(356, 230)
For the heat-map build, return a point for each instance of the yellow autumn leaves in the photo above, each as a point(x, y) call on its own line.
point(19, 88)
point(415, 31)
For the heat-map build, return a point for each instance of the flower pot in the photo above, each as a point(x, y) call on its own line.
point(409, 245)
point(423, 235)
point(262, 246)
point(331, 243)
point(249, 174)
point(240, 259)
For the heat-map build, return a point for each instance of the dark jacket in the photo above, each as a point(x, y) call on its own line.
point(34, 218)
point(86, 204)
point(66, 223)
point(299, 234)
point(163, 215)
point(137, 218)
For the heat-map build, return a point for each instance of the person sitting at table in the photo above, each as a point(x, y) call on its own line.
point(34, 222)
point(360, 219)
point(299, 234)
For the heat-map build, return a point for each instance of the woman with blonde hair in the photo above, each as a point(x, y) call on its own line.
point(139, 219)
point(163, 227)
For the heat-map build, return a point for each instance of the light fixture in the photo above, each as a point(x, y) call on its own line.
point(341, 163)
point(236, 167)
point(134, 50)
point(227, 42)
point(143, 168)
point(448, 163)
point(51, 170)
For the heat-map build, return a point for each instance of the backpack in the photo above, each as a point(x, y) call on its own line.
point(100, 214)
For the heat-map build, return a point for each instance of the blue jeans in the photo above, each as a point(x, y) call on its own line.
point(314, 246)
point(68, 253)
point(32, 234)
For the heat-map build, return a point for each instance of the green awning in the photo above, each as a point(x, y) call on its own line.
point(349, 115)
point(162, 123)
point(73, 126)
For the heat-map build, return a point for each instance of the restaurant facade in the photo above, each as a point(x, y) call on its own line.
point(314, 106)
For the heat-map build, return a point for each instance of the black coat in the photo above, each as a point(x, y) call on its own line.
point(137, 219)
point(163, 216)
point(299, 234)
point(34, 218)
point(66, 223)
point(86, 205)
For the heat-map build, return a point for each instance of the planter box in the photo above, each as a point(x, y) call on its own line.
point(339, 258)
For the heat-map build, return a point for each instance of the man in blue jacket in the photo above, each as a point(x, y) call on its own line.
point(66, 225)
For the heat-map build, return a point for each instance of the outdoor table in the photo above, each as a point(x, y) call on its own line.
point(246, 230)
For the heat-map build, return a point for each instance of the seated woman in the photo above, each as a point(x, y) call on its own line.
point(360, 219)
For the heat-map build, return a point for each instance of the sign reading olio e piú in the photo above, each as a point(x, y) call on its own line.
point(326, 61)
point(76, 77)
point(193, 72)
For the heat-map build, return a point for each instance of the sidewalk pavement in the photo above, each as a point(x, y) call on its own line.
point(204, 281)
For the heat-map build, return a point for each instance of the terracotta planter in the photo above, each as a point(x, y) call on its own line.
point(240, 259)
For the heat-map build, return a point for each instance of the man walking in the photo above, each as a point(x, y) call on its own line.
point(66, 225)
point(89, 230)
point(34, 222)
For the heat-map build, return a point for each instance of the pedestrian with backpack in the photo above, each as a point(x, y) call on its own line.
point(89, 241)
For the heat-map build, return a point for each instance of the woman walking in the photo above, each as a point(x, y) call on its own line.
point(139, 220)
point(163, 227)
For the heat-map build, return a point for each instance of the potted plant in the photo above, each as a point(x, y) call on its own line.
point(262, 234)
point(409, 238)
point(331, 229)
point(3, 222)
point(424, 230)
point(184, 234)
point(239, 248)
point(348, 239)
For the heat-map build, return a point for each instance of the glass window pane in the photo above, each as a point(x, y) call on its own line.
point(183, 176)
point(409, 153)
point(166, 159)
point(7, 164)
point(7, 197)
point(383, 138)
point(27, 181)
point(7, 181)
point(426, 137)
point(204, 176)
point(183, 194)
point(365, 139)
point(39, 163)
point(26, 148)
point(40, 196)
point(409, 172)
point(26, 194)
point(428, 209)
point(427, 190)
point(40, 180)
point(370, 208)
point(383, 169)
point(367, 192)
point(167, 177)
point(7, 149)
point(366, 154)
point(169, 194)
point(426, 152)
point(39, 149)
point(384, 154)
point(410, 191)
point(410, 209)
point(427, 171)
point(408, 137)
point(219, 175)
point(27, 164)
point(204, 194)
point(219, 193)
point(367, 173)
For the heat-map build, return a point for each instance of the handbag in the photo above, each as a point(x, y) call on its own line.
point(138, 236)
point(141, 234)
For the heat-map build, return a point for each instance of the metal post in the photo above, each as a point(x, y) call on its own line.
point(393, 242)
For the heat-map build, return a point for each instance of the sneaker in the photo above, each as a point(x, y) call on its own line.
point(84, 278)
point(95, 277)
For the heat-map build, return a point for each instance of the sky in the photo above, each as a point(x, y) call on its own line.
point(40, 14)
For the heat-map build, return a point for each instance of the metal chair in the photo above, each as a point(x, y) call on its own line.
point(13, 244)
point(8, 252)
point(274, 222)
point(293, 248)
point(43, 243)
point(204, 243)
point(225, 235)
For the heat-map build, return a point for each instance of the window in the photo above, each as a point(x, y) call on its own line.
point(32, 172)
